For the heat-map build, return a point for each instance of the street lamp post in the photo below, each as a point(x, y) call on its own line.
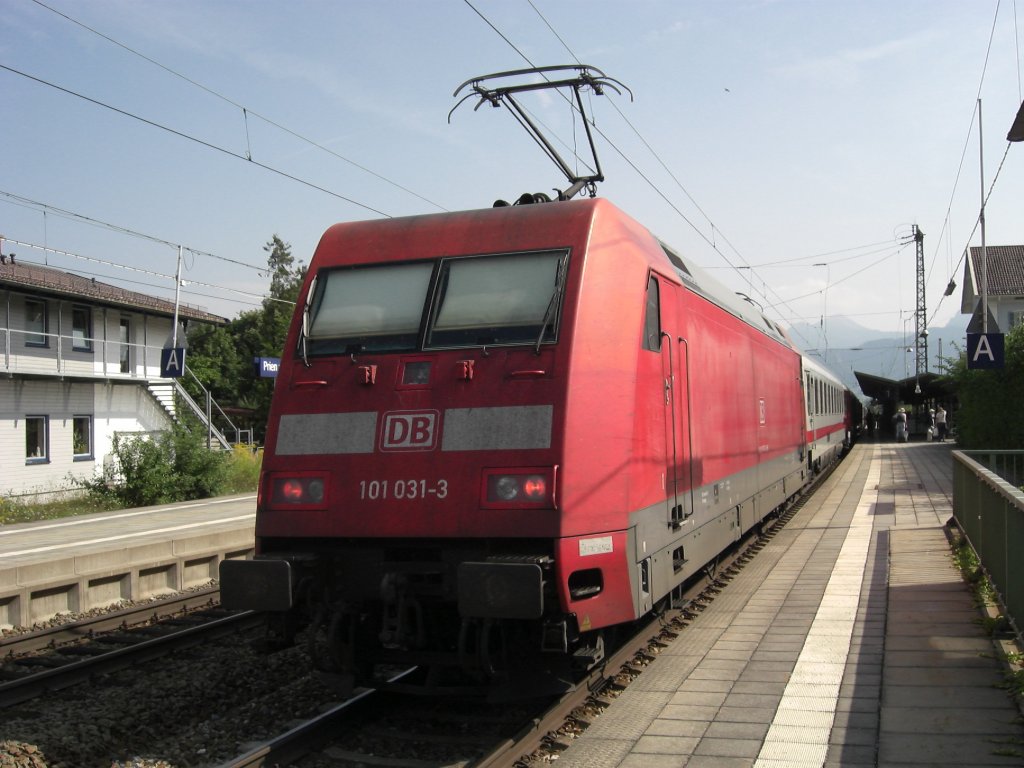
point(1016, 132)
point(984, 252)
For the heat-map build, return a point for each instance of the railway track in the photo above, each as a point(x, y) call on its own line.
point(221, 704)
point(108, 621)
point(55, 658)
point(385, 729)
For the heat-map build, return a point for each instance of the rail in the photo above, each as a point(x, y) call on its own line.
point(988, 505)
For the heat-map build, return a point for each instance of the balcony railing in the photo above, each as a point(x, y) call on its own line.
point(44, 353)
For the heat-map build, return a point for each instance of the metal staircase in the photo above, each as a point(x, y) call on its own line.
point(170, 392)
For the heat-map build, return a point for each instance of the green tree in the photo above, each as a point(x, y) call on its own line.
point(278, 307)
point(990, 413)
point(222, 358)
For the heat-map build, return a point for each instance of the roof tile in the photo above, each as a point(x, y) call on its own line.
point(60, 283)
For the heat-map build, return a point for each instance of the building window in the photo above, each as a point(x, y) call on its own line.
point(81, 437)
point(1016, 318)
point(36, 317)
point(81, 328)
point(126, 346)
point(36, 439)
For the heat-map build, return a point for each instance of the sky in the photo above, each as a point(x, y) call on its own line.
point(787, 146)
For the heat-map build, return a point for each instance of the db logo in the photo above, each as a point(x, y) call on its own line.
point(409, 431)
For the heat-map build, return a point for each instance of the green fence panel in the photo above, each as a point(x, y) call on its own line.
point(989, 507)
point(1013, 592)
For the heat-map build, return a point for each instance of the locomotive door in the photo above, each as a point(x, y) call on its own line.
point(677, 386)
point(676, 402)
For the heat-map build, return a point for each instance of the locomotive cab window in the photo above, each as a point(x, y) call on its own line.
point(493, 300)
point(368, 309)
point(467, 301)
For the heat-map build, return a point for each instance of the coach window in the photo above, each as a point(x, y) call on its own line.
point(36, 440)
point(652, 317)
point(81, 328)
point(36, 324)
point(81, 438)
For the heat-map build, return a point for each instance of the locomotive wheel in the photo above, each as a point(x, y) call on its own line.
point(280, 632)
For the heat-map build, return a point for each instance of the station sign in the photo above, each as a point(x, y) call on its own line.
point(172, 362)
point(985, 350)
point(266, 367)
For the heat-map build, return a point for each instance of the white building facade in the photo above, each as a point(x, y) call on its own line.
point(79, 363)
point(1004, 277)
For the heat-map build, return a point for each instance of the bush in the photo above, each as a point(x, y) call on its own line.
point(242, 473)
point(989, 415)
point(173, 466)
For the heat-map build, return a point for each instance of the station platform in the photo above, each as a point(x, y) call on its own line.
point(849, 640)
point(76, 564)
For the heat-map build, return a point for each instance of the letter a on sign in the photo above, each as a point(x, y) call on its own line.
point(172, 362)
point(984, 350)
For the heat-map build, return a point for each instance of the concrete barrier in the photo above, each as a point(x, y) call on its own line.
point(36, 592)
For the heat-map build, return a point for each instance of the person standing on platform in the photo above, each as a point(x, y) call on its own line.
point(901, 426)
point(940, 423)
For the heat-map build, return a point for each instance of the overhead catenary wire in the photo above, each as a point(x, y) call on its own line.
point(710, 241)
point(246, 111)
point(195, 139)
point(128, 268)
point(963, 155)
point(788, 263)
point(254, 300)
point(46, 207)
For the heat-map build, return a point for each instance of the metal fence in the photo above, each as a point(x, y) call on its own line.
point(989, 507)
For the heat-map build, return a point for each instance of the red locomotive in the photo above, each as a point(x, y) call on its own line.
point(498, 435)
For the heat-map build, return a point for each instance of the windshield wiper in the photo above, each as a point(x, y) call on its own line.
point(556, 295)
point(304, 327)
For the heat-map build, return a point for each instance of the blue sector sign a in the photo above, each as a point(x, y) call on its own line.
point(172, 362)
point(984, 350)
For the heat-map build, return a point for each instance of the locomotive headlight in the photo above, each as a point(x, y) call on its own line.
point(518, 488)
point(506, 488)
point(296, 490)
point(315, 490)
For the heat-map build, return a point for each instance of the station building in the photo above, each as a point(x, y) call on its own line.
point(1004, 279)
point(1004, 276)
point(79, 363)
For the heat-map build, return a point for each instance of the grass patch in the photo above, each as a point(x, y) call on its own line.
point(241, 475)
point(12, 511)
point(966, 560)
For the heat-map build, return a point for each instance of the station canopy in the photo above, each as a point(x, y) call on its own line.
point(932, 386)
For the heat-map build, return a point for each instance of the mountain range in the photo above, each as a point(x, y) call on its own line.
point(846, 346)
